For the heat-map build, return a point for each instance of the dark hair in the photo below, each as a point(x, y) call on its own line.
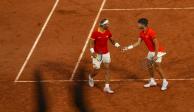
point(102, 21)
point(143, 21)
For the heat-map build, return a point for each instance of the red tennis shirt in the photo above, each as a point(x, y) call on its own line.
point(101, 41)
point(148, 37)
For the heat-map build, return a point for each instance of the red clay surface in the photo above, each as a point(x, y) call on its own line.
point(19, 26)
point(60, 46)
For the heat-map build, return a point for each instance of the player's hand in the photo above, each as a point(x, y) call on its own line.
point(127, 48)
point(124, 49)
point(155, 57)
point(94, 55)
point(117, 45)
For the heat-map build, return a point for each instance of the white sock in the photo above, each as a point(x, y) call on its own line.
point(152, 79)
point(164, 80)
point(106, 85)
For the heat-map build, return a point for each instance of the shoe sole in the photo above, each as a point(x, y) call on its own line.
point(109, 92)
point(91, 85)
point(165, 88)
point(151, 86)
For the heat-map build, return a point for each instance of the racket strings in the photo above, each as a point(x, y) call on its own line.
point(147, 64)
point(99, 57)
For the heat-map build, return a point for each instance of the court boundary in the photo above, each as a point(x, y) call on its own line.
point(113, 80)
point(86, 44)
point(36, 41)
point(87, 40)
point(140, 9)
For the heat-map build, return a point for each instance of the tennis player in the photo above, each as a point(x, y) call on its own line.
point(155, 54)
point(100, 54)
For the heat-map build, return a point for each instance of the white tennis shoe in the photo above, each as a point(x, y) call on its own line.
point(90, 81)
point(108, 90)
point(151, 83)
point(164, 85)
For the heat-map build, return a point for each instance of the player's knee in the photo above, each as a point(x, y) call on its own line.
point(157, 66)
point(106, 65)
point(96, 67)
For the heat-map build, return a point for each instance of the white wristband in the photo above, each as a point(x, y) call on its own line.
point(130, 47)
point(117, 45)
point(92, 50)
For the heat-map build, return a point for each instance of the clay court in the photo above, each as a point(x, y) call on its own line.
point(45, 58)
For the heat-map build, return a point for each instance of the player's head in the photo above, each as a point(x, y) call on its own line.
point(104, 23)
point(142, 23)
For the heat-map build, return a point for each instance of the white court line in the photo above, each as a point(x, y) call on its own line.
point(114, 80)
point(140, 9)
point(36, 41)
point(87, 40)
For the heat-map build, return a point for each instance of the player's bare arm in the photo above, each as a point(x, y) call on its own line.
point(156, 49)
point(136, 44)
point(92, 48)
point(113, 42)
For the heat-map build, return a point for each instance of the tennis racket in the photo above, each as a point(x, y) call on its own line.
point(99, 57)
point(147, 65)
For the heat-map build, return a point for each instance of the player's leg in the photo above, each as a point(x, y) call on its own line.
point(95, 70)
point(159, 69)
point(150, 67)
point(106, 61)
point(107, 72)
point(91, 77)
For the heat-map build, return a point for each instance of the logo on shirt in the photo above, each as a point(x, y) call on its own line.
point(103, 37)
point(99, 37)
